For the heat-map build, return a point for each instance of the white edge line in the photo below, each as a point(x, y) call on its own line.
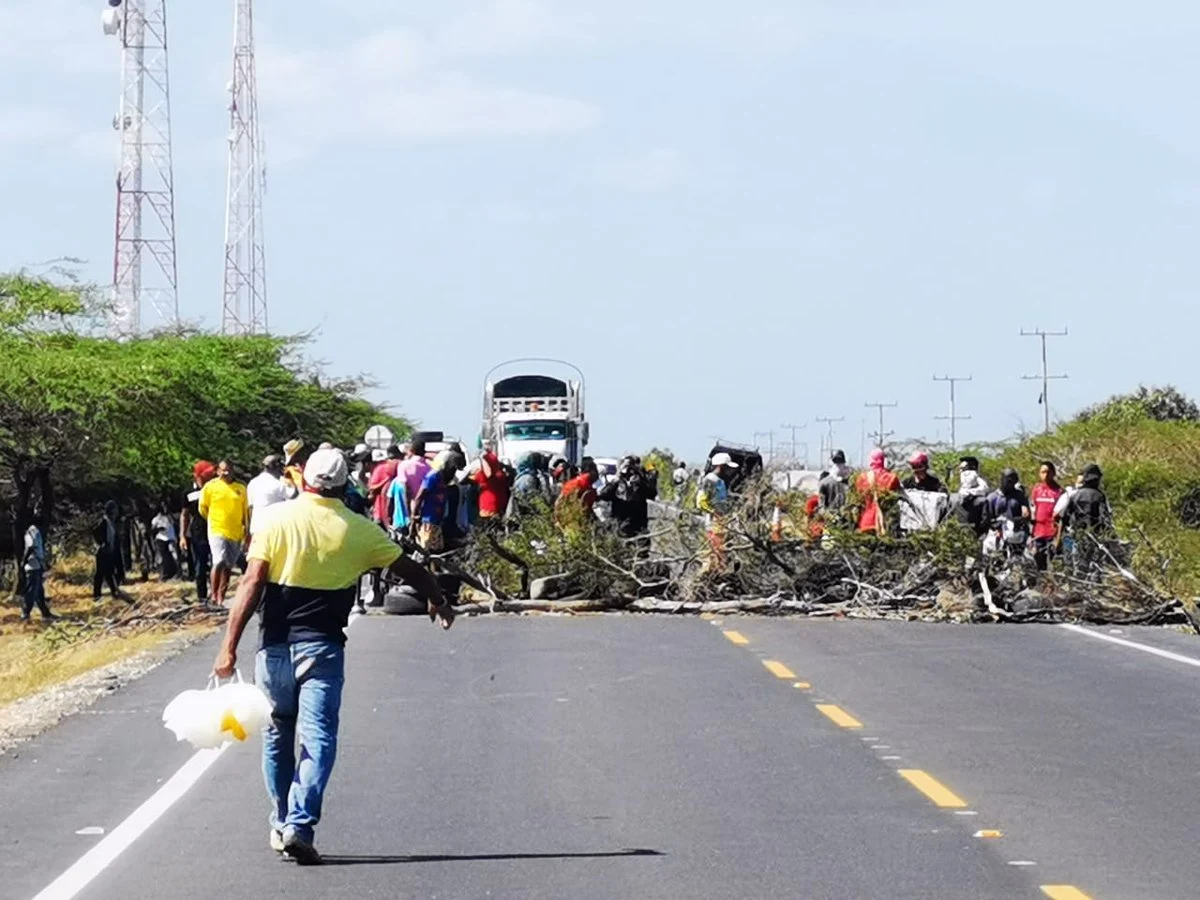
point(96, 860)
point(1145, 648)
point(100, 857)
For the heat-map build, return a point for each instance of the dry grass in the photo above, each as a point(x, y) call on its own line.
point(36, 655)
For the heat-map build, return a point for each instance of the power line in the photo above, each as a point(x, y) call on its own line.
point(953, 418)
point(829, 421)
point(881, 434)
point(795, 443)
point(1045, 377)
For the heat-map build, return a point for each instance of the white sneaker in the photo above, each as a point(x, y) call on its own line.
point(276, 841)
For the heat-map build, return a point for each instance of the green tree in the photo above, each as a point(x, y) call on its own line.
point(101, 417)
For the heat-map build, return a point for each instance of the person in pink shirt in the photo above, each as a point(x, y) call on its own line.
point(1043, 499)
point(414, 469)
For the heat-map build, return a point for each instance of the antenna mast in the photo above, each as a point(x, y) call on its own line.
point(244, 308)
point(144, 267)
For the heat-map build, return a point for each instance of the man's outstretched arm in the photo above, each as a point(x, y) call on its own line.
point(404, 569)
point(244, 604)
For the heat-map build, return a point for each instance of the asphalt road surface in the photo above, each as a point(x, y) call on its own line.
point(652, 757)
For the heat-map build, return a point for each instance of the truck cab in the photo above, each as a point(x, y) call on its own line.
point(535, 413)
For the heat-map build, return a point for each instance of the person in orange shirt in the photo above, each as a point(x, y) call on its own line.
point(874, 486)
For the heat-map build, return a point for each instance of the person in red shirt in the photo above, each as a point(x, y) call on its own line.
point(873, 486)
point(1043, 498)
point(493, 484)
point(580, 490)
point(381, 479)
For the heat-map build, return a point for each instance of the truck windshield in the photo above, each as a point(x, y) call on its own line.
point(535, 431)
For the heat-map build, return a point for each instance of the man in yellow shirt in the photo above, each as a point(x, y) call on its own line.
point(223, 504)
point(305, 564)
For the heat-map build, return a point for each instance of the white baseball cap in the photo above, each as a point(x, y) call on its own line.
point(325, 470)
point(378, 455)
point(723, 459)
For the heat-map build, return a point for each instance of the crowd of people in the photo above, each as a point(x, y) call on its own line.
point(1044, 522)
point(429, 497)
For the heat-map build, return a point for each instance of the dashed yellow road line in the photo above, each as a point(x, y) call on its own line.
point(802, 685)
point(933, 789)
point(736, 637)
point(1063, 892)
point(839, 716)
point(778, 669)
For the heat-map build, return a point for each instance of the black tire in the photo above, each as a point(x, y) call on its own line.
point(403, 601)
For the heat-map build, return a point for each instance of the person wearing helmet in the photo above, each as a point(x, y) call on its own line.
point(921, 478)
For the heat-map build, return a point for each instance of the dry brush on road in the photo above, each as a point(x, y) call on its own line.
point(942, 575)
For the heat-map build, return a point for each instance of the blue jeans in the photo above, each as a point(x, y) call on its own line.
point(304, 681)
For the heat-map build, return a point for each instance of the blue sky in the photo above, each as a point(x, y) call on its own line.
point(731, 216)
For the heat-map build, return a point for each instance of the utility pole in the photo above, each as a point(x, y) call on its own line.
point(1045, 377)
point(953, 418)
point(244, 304)
point(829, 422)
point(145, 273)
point(881, 434)
point(795, 444)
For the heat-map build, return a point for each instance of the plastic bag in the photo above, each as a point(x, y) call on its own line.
point(220, 713)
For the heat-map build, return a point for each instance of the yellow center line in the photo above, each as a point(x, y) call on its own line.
point(933, 789)
point(1063, 892)
point(778, 669)
point(736, 637)
point(839, 716)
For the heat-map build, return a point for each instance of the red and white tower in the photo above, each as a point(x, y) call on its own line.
point(145, 275)
point(244, 310)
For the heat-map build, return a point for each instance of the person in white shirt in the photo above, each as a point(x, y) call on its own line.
point(266, 489)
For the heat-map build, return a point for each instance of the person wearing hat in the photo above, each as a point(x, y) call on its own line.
point(921, 478)
point(265, 490)
point(294, 456)
point(712, 499)
point(305, 564)
point(834, 486)
point(193, 530)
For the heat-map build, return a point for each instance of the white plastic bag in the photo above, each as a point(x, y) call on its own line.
point(220, 713)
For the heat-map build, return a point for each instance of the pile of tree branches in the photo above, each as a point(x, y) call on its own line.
point(533, 565)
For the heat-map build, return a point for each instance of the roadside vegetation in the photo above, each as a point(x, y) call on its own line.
point(85, 418)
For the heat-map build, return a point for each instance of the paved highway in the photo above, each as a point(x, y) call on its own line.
point(625, 757)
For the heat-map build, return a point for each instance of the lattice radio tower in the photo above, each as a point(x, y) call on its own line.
point(244, 309)
point(145, 274)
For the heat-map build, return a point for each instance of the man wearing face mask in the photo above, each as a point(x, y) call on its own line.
point(630, 494)
point(1009, 511)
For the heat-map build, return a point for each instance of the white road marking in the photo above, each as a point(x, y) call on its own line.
point(1021, 862)
point(1134, 645)
point(87, 867)
point(90, 830)
point(96, 860)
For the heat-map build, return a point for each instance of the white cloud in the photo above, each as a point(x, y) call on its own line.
point(655, 171)
point(403, 84)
